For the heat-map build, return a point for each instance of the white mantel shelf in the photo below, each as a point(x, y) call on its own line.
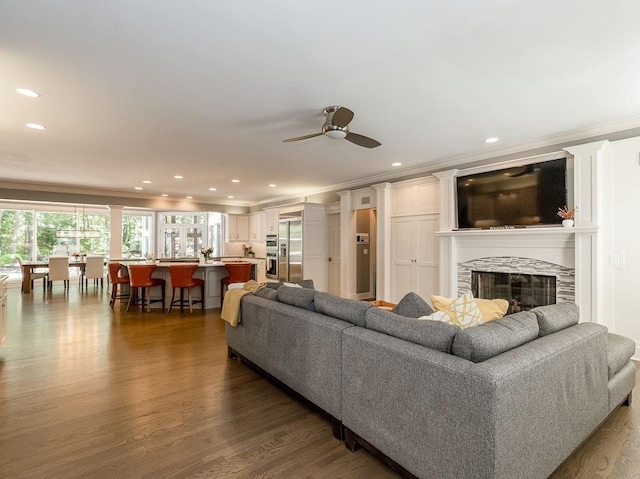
point(520, 231)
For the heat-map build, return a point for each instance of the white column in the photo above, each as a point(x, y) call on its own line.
point(383, 260)
point(448, 266)
point(115, 234)
point(587, 197)
point(347, 246)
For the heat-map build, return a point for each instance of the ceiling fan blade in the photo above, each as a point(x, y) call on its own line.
point(362, 140)
point(342, 117)
point(312, 135)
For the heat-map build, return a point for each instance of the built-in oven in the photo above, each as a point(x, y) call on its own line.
point(272, 256)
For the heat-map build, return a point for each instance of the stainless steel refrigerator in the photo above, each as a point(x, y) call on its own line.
point(290, 249)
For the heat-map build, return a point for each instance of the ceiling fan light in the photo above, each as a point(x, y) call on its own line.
point(336, 134)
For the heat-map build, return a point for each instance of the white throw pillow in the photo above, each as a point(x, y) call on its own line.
point(292, 285)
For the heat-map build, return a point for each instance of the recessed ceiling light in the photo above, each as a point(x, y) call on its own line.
point(230, 197)
point(146, 181)
point(137, 187)
point(164, 194)
point(178, 177)
point(35, 126)
point(272, 185)
point(493, 139)
point(27, 92)
point(189, 197)
point(397, 163)
point(212, 189)
point(235, 181)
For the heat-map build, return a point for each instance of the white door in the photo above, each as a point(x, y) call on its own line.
point(402, 240)
point(333, 252)
point(426, 256)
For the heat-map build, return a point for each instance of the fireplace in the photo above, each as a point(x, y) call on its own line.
point(523, 291)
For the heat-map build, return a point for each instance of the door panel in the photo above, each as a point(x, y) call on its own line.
point(402, 281)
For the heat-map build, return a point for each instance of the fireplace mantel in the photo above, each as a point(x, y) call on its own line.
point(544, 231)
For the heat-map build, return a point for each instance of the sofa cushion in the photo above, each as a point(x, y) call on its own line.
point(463, 312)
point(342, 308)
point(619, 352)
point(556, 317)
point(305, 283)
point(432, 334)
point(490, 339)
point(267, 293)
point(490, 309)
point(412, 306)
point(300, 297)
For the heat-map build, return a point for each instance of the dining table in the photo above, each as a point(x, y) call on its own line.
point(28, 268)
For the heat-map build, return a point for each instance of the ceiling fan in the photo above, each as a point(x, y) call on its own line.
point(336, 126)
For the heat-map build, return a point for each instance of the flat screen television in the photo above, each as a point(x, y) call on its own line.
point(526, 195)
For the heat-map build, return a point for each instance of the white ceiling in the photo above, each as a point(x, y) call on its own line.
point(208, 89)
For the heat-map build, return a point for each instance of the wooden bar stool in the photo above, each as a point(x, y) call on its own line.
point(182, 277)
point(140, 281)
point(116, 279)
point(238, 273)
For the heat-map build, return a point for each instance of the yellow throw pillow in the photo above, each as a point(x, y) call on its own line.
point(462, 311)
point(489, 308)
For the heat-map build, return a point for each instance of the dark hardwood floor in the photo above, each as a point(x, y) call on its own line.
point(87, 392)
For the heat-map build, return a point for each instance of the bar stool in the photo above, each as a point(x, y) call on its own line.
point(140, 279)
point(182, 277)
point(116, 278)
point(238, 273)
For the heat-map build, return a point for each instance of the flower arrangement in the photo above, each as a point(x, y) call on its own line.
point(567, 214)
point(206, 251)
point(247, 250)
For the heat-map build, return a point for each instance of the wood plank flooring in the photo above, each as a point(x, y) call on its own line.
point(87, 392)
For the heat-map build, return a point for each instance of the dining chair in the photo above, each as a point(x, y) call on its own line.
point(34, 275)
point(94, 269)
point(238, 273)
point(140, 281)
point(58, 270)
point(182, 277)
point(117, 278)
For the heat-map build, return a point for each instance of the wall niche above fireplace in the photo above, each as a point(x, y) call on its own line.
point(523, 291)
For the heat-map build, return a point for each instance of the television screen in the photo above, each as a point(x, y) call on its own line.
point(519, 196)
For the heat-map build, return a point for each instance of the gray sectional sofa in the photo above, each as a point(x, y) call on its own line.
point(510, 398)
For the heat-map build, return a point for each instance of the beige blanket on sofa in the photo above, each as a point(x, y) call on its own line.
point(231, 306)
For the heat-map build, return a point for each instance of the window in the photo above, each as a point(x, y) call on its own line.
point(136, 234)
point(185, 234)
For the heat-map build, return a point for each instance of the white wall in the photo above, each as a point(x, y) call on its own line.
point(625, 155)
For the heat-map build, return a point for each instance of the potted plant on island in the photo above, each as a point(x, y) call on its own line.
point(567, 215)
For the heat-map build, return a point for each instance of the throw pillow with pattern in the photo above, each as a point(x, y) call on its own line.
point(463, 312)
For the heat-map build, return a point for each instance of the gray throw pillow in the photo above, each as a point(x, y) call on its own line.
point(556, 317)
point(342, 308)
point(413, 306)
point(267, 293)
point(482, 342)
point(300, 297)
point(436, 335)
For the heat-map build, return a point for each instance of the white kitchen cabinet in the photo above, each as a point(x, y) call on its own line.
point(414, 249)
point(3, 309)
point(261, 272)
point(238, 228)
point(272, 217)
point(255, 227)
point(414, 197)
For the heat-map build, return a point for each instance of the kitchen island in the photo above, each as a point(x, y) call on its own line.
point(212, 272)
